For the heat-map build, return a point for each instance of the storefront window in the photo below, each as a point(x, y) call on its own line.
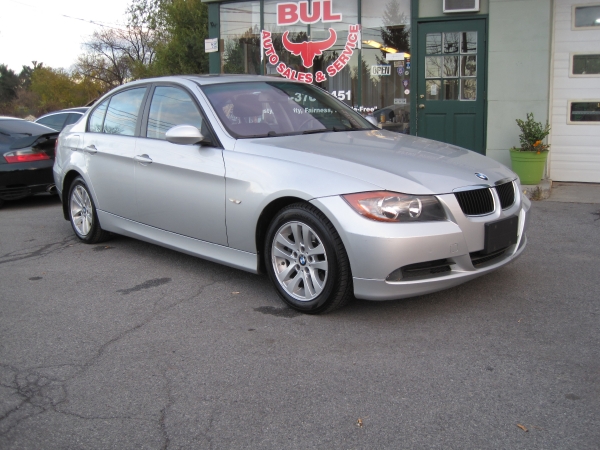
point(321, 42)
point(386, 64)
point(240, 34)
point(344, 83)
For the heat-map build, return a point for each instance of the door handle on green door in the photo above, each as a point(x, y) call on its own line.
point(421, 106)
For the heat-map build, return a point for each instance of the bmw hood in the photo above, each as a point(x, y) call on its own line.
point(389, 161)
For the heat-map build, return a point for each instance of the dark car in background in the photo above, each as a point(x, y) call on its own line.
point(26, 158)
point(394, 118)
point(57, 120)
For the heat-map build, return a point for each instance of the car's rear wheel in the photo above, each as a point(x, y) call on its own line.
point(82, 214)
point(306, 260)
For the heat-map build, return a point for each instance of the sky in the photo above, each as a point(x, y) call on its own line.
point(37, 30)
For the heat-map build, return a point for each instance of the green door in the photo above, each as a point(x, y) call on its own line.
point(451, 82)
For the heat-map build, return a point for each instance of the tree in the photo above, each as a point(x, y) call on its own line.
point(182, 26)
point(25, 75)
point(104, 61)
point(9, 82)
point(57, 89)
point(117, 55)
point(396, 32)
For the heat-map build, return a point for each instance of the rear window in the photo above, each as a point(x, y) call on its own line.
point(23, 127)
point(55, 121)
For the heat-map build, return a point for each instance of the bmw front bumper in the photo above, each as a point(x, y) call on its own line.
point(379, 251)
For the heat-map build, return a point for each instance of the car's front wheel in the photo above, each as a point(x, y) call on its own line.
point(306, 260)
point(82, 214)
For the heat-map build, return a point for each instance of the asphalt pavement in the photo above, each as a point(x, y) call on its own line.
point(127, 345)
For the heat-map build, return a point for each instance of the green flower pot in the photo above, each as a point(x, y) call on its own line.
point(528, 165)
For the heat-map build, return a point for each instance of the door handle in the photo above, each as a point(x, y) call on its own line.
point(91, 149)
point(421, 106)
point(144, 159)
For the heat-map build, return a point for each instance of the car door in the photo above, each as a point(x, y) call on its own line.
point(179, 188)
point(109, 146)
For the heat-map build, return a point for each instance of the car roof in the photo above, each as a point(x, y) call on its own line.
point(212, 79)
point(80, 110)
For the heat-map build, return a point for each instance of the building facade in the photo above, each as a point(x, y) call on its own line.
point(458, 71)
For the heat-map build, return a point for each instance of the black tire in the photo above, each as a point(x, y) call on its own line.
point(82, 214)
point(320, 290)
point(1, 203)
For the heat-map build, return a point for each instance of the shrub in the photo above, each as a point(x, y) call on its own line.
point(532, 135)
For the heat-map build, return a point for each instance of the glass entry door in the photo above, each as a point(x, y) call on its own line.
point(451, 83)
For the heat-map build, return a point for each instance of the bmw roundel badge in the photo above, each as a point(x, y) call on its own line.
point(482, 176)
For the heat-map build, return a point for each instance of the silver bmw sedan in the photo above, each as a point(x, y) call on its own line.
point(268, 175)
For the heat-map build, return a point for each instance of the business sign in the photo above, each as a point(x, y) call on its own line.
point(394, 56)
point(381, 70)
point(291, 13)
point(211, 45)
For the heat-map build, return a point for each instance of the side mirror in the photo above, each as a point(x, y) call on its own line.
point(185, 135)
point(372, 120)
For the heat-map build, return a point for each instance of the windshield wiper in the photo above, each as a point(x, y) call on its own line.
point(320, 130)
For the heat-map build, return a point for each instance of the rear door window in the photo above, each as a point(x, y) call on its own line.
point(123, 111)
point(97, 118)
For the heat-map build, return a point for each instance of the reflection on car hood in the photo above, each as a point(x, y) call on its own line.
point(392, 161)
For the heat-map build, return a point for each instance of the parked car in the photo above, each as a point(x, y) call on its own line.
point(57, 120)
point(393, 118)
point(26, 158)
point(271, 175)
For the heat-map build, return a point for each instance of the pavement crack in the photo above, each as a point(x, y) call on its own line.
point(163, 413)
point(36, 252)
point(17, 415)
point(40, 389)
point(100, 352)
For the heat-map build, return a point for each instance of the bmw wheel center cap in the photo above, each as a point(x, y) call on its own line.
point(302, 260)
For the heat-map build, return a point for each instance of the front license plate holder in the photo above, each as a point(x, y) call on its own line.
point(501, 234)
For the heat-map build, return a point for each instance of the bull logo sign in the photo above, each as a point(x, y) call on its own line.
point(292, 13)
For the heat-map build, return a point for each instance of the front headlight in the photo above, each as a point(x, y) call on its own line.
point(386, 206)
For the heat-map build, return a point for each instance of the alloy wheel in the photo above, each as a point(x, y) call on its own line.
point(299, 261)
point(81, 210)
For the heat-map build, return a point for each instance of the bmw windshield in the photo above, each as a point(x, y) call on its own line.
point(274, 108)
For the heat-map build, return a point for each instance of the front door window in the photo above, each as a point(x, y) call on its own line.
point(451, 66)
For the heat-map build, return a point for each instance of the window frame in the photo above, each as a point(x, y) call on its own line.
point(572, 65)
point(584, 100)
point(575, 28)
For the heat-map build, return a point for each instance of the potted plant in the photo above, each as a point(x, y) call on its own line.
point(529, 160)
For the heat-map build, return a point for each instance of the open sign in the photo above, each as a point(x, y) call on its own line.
point(381, 70)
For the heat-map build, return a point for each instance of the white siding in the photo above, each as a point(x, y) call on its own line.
point(575, 148)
